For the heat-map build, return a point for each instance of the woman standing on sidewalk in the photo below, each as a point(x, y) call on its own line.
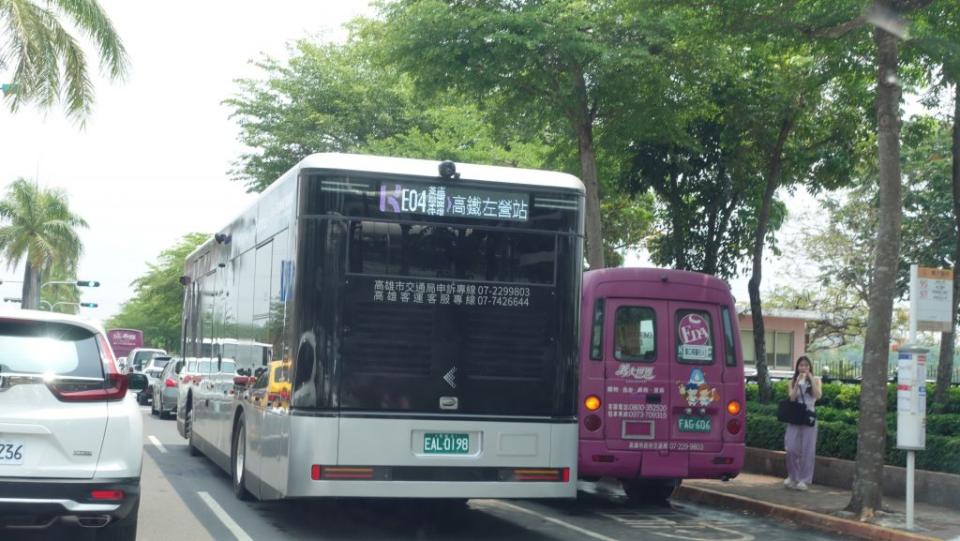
point(800, 441)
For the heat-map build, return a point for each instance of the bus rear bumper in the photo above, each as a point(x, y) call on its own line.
point(419, 489)
point(596, 460)
point(393, 458)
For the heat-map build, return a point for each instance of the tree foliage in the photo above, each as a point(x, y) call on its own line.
point(41, 231)
point(48, 62)
point(157, 301)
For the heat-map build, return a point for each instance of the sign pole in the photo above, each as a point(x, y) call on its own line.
point(911, 454)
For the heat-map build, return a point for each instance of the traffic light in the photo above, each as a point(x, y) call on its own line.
point(88, 283)
point(7, 88)
point(88, 304)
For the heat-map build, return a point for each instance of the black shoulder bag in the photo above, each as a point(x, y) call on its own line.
point(795, 412)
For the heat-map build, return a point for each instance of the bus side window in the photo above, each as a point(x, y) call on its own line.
point(596, 334)
point(731, 353)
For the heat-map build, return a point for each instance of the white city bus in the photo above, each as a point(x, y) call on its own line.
point(424, 317)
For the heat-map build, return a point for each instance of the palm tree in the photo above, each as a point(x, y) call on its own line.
point(42, 230)
point(47, 61)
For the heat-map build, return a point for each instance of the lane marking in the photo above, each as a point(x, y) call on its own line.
point(156, 443)
point(558, 522)
point(231, 525)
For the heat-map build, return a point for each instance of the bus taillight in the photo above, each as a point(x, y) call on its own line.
point(733, 426)
point(733, 407)
point(592, 403)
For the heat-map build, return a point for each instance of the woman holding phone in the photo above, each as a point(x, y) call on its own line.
point(800, 441)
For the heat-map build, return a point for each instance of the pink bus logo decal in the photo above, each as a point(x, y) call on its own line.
point(695, 345)
point(640, 373)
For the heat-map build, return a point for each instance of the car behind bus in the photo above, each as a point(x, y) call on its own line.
point(661, 380)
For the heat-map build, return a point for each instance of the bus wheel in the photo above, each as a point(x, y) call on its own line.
point(238, 461)
point(188, 428)
point(650, 491)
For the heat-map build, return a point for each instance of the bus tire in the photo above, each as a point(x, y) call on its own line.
point(649, 491)
point(238, 461)
point(188, 428)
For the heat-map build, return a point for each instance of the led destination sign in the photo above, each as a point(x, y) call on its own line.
point(455, 201)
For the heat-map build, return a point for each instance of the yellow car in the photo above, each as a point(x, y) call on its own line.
point(278, 384)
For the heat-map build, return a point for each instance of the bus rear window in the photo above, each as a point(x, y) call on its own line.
point(436, 251)
point(634, 337)
point(694, 337)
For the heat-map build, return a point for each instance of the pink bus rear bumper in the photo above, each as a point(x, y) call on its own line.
point(596, 460)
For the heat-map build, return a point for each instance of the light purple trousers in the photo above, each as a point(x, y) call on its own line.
point(800, 443)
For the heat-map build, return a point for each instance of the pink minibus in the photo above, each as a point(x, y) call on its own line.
point(661, 380)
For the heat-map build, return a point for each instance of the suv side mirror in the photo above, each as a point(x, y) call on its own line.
point(136, 381)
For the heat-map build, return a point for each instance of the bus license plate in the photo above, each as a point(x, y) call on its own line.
point(694, 424)
point(446, 444)
point(11, 453)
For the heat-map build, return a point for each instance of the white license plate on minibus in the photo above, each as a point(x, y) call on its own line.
point(11, 453)
point(445, 443)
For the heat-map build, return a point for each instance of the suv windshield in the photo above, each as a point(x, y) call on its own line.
point(49, 348)
point(158, 362)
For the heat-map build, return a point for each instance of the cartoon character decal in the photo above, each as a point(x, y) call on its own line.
point(697, 392)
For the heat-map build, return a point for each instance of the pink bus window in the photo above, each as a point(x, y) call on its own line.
point(731, 354)
point(694, 337)
point(596, 333)
point(634, 336)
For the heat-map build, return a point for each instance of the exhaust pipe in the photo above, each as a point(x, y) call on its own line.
point(95, 521)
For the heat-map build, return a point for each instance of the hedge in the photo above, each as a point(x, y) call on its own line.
point(838, 415)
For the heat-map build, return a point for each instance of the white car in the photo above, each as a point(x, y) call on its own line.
point(70, 435)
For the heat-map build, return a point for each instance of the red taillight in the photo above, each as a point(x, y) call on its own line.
point(592, 422)
point(315, 472)
point(170, 383)
point(108, 495)
point(733, 426)
point(114, 388)
point(551, 474)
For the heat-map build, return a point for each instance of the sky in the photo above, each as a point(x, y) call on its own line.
point(152, 163)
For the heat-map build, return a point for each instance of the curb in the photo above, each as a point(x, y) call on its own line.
point(826, 523)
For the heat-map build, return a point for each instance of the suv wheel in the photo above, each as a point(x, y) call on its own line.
point(238, 461)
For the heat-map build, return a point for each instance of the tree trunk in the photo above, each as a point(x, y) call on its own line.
point(774, 170)
point(679, 227)
point(30, 295)
point(582, 120)
point(871, 441)
point(945, 365)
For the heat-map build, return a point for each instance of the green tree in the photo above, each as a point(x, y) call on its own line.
point(40, 230)
point(348, 98)
point(547, 63)
point(47, 60)
point(937, 42)
point(157, 301)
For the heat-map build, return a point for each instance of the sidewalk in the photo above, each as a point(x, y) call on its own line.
point(821, 507)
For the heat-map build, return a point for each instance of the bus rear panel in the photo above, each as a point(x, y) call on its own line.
point(444, 318)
